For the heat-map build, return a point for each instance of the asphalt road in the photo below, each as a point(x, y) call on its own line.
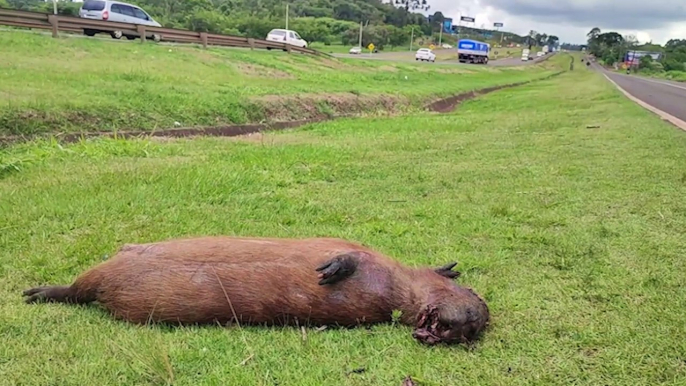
point(664, 95)
point(393, 57)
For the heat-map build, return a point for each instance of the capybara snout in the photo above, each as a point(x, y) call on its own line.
point(315, 281)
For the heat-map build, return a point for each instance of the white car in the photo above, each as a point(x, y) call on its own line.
point(286, 36)
point(425, 54)
point(355, 50)
point(107, 10)
point(540, 53)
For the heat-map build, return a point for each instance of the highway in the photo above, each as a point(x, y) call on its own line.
point(409, 58)
point(664, 95)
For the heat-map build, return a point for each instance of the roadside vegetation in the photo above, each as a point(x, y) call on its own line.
point(574, 235)
point(611, 49)
point(80, 84)
point(327, 23)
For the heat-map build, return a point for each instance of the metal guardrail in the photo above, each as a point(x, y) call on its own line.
point(57, 23)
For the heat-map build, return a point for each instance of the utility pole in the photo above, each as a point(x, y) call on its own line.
point(360, 43)
point(440, 36)
point(54, 6)
point(412, 39)
point(286, 15)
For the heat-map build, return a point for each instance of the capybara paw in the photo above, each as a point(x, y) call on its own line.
point(336, 269)
point(35, 294)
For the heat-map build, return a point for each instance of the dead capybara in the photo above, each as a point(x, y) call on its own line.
point(315, 281)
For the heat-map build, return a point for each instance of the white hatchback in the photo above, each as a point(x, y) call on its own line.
point(286, 36)
point(425, 54)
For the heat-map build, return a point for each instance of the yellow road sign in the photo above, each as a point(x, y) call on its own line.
point(371, 46)
point(432, 47)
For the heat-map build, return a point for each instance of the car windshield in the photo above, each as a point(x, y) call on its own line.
point(278, 32)
point(93, 5)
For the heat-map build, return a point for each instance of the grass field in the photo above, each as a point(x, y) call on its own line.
point(573, 235)
point(76, 84)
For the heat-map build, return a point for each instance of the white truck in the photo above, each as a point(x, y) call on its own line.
point(525, 54)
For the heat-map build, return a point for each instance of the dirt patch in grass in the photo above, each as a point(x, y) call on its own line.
point(308, 106)
point(388, 68)
point(258, 71)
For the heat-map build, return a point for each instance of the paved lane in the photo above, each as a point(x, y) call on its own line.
point(667, 96)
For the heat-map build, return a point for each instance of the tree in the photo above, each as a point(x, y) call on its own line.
point(593, 33)
point(646, 62)
point(398, 36)
point(552, 41)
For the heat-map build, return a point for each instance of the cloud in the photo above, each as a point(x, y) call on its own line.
point(572, 19)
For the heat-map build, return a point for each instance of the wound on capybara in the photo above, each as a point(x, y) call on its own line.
point(315, 281)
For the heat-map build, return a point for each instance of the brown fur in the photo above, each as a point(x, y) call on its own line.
point(273, 281)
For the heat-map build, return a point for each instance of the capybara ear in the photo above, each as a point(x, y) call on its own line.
point(446, 271)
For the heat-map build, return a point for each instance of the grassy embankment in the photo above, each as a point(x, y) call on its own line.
point(573, 235)
point(75, 84)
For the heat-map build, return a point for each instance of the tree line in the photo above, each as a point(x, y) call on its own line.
point(323, 21)
point(612, 47)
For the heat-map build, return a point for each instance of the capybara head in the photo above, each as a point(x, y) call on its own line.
point(454, 315)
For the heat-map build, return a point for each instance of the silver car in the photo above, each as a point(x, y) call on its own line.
point(116, 11)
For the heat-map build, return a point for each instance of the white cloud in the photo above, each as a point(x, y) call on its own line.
point(570, 20)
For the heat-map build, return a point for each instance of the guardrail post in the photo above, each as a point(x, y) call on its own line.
point(54, 22)
point(141, 32)
point(288, 48)
point(251, 43)
point(203, 39)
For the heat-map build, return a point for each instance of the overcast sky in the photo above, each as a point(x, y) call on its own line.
point(570, 20)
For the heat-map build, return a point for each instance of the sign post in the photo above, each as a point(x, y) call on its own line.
point(497, 28)
point(371, 48)
point(459, 24)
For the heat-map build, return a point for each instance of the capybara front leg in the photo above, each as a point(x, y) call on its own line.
point(57, 294)
point(446, 271)
point(338, 268)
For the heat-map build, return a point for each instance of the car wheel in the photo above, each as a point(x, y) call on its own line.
point(117, 34)
point(156, 38)
point(486, 61)
point(89, 32)
point(130, 37)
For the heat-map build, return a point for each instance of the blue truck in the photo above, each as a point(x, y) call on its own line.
point(472, 51)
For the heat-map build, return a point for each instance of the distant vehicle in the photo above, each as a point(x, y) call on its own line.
point(107, 10)
point(472, 51)
point(286, 36)
point(540, 53)
point(525, 55)
point(446, 45)
point(545, 50)
point(425, 54)
point(355, 50)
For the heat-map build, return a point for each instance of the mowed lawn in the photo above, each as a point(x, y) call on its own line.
point(574, 236)
point(76, 84)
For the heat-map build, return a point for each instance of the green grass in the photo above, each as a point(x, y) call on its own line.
point(573, 235)
point(76, 84)
point(679, 76)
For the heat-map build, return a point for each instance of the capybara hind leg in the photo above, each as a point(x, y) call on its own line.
point(338, 268)
point(57, 294)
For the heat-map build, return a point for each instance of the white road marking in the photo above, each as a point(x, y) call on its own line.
point(676, 121)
